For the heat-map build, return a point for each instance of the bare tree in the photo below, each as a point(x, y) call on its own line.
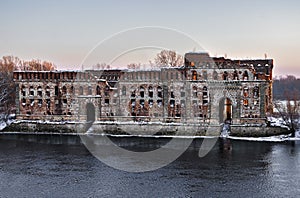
point(134, 66)
point(12, 63)
point(37, 65)
point(289, 111)
point(168, 58)
point(7, 87)
point(101, 66)
point(48, 66)
point(9, 64)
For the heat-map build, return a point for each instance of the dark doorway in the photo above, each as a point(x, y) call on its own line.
point(225, 110)
point(90, 112)
point(90, 115)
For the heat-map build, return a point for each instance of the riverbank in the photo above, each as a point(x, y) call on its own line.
point(141, 128)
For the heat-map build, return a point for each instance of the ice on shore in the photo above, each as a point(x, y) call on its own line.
point(2, 125)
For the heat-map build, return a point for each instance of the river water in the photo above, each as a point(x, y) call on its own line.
point(60, 166)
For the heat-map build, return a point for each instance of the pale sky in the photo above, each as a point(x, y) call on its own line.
point(65, 31)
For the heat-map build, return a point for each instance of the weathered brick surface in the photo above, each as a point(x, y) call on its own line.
point(203, 91)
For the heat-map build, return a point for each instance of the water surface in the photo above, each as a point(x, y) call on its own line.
point(59, 166)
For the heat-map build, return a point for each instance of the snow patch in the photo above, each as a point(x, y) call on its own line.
point(2, 125)
point(277, 122)
point(9, 119)
point(225, 131)
point(259, 139)
point(279, 138)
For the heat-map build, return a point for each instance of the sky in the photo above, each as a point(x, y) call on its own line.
point(65, 31)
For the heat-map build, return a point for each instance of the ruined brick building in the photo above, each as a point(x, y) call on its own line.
point(204, 91)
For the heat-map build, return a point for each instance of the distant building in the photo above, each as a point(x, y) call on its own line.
point(204, 90)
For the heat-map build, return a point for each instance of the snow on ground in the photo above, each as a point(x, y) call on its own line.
point(277, 122)
point(280, 138)
point(2, 125)
point(261, 139)
point(281, 104)
point(273, 121)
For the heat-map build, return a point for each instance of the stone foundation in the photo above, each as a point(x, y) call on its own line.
point(142, 129)
point(257, 131)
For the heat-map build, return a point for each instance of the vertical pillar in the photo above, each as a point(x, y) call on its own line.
point(17, 99)
point(263, 101)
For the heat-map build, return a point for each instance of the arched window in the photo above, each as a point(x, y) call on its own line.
point(142, 92)
point(245, 75)
point(159, 92)
point(245, 92)
point(23, 89)
point(245, 102)
point(123, 92)
point(23, 101)
point(225, 75)
point(194, 75)
point(182, 92)
point(90, 90)
point(48, 101)
point(57, 76)
point(205, 75)
point(40, 92)
point(80, 90)
point(72, 90)
point(48, 91)
point(106, 93)
point(195, 92)
point(150, 91)
point(235, 75)
point(215, 75)
point(205, 92)
point(56, 91)
point(172, 94)
point(98, 90)
point(132, 102)
point(172, 103)
point(150, 103)
point(64, 90)
point(142, 103)
point(132, 92)
point(31, 91)
point(256, 91)
point(159, 103)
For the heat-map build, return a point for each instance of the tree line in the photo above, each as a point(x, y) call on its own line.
point(9, 64)
point(165, 58)
point(286, 95)
point(285, 85)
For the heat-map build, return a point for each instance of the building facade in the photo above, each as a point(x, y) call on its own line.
point(205, 90)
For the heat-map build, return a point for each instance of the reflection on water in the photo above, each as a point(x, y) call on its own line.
point(59, 166)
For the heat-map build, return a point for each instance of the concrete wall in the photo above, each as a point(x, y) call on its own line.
point(144, 129)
